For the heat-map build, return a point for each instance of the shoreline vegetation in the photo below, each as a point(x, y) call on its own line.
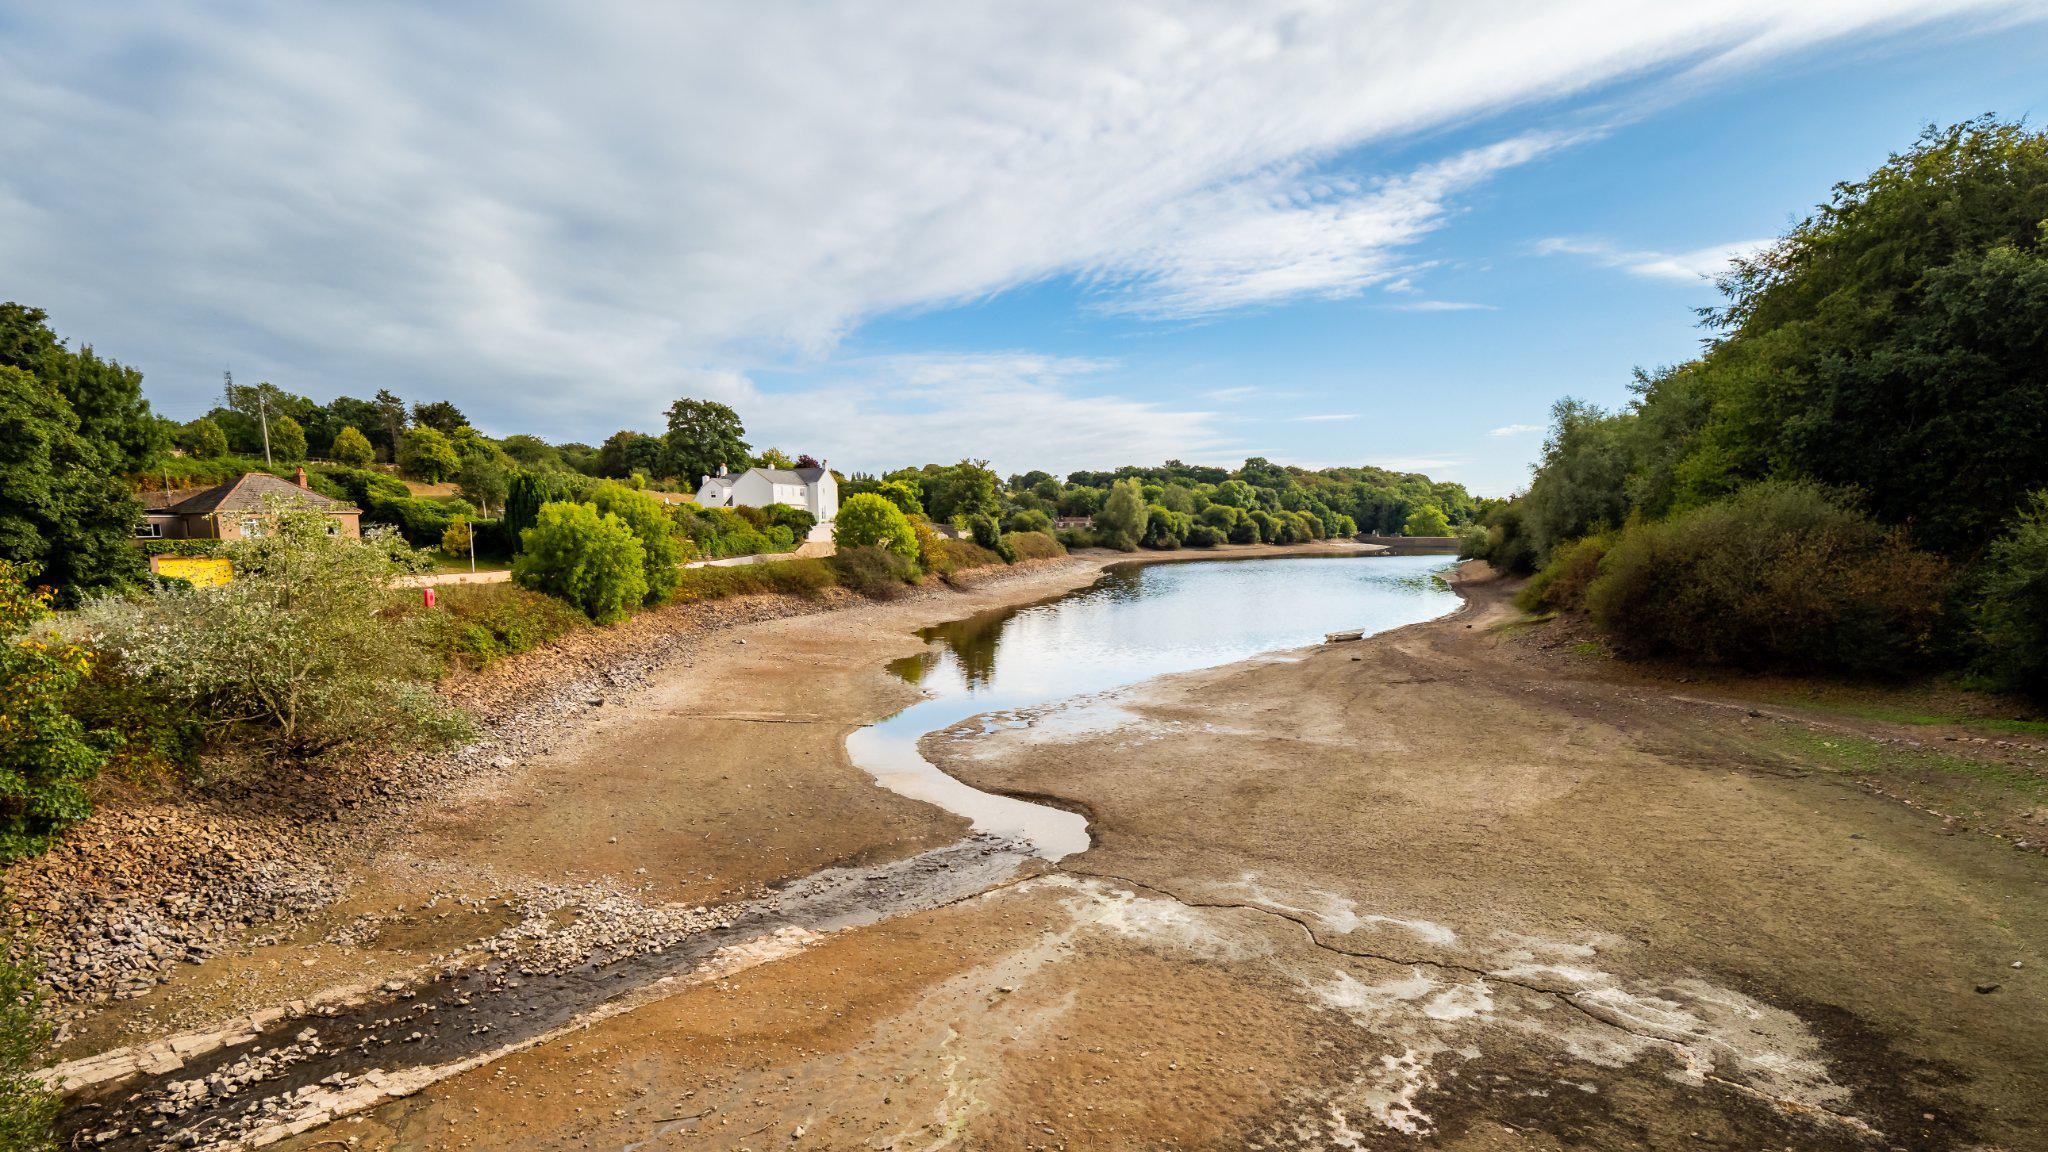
point(1853, 477)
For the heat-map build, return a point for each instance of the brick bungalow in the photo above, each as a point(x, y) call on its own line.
point(234, 510)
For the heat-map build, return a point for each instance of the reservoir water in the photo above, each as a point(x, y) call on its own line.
point(1136, 622)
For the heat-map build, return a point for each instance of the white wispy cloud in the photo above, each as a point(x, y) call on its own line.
point(1443, 306)
point(550, 214)
point(1020, 409)
point(1515, 430)
point(1323, 418)
point(1699, 264)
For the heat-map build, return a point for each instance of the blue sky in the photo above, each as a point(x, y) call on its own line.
point(1060, 237)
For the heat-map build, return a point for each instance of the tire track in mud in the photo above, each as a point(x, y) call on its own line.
point(283, 1072)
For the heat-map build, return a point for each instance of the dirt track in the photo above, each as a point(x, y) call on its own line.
point(1431, 889)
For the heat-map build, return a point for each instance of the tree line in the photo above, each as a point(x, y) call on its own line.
point(1854, 474)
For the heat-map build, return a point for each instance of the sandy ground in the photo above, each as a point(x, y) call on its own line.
point(1435, 889)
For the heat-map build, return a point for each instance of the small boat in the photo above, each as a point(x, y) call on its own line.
point(1336, 637)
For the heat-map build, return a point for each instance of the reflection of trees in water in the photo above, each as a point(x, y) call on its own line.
point(973, 641)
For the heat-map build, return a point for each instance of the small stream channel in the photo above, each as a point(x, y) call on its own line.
point(1135, 623)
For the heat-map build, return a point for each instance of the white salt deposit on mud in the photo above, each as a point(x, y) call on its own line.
point(1518, 992)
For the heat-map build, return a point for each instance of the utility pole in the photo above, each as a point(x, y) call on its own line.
point(263, 412)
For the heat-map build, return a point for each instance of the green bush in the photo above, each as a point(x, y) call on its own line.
point(1072, 538)
point(472, 625)
point(203, 438)
point(877, 573)
point(869, 521)
point(1561, 586)
point(1028, 520)
point(1033, 545)
point(1121, 522)
point(661, 541)
point(798, 521)
point(47, 757)
point(301, 651)
point(1204, 536)
point(1779, 575)
point(352, 448)
point(1165, 528)
point(987, 535)
point(529, 489)
point(2010, 619)
point(28, 1109)
point(588, 558)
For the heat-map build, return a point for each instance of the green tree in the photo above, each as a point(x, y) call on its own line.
point(440, 415)
point(903, 496)
point(104, 396)
point(2010, 618)
point(46, 755)
point(287, 440)
point(64, 509)
point(389, 427)
point(531, 451)
point(528, 491)
point(867, 520)
point(203, 439)
point(625, 452)
point(425, 454)
point(483, 480)
point(661, 542)
point(1121, 523)
point(1427, 520)
point(458, 538)
point(592, 560)
point(352, 448)
point(963, 491)
point(773, 458)
point(703, 435)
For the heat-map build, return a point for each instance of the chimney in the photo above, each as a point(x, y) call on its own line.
point(300, 479)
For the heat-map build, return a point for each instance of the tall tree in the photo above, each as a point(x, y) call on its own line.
point(390, 423)
point(702, 436)
point(625, 452)
point(440, 415)
point(65, 510)
point(104, 396)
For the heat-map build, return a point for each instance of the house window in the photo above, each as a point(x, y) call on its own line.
point(252, 528)
point(149, 530)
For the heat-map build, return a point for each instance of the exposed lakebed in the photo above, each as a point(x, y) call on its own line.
point(294, 1070)
point(1137, 622)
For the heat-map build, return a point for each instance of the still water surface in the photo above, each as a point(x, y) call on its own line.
point(1135, 623)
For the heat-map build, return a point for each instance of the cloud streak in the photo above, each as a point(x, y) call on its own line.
point(560, 218)
point(1700, 264)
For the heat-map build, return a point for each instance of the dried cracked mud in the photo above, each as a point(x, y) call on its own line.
point(1427, 890)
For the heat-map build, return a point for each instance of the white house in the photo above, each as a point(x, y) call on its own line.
point(810, 488)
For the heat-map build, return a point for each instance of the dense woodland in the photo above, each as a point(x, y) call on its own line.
point(1854, 473)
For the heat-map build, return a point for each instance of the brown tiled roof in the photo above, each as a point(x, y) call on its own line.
point(163, 501)
point(247, 492)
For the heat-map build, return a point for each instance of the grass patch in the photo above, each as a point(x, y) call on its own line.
point(1861, 756)
point(475, 624)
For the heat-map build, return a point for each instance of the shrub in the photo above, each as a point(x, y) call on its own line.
point(204, 439)
point(755, 517)
point(799, 521)
point(457, 539)
point(352, 448)
point(1204, 536)
point(662, 550)
point(287, 440)
point(961, 555)
point(1033, 545)
point(2010, 620)
point(47, 757)
point(474, 624)
point(1072, 538)
point(931, 547)
point(875, 572)
point(1165, 528)
point(588, 558)
point(528, 490)
point(990, 537)
point(869, 521)
point(1561, 586)
point(1245, 531)
point(1783, 575)
point(300, 651)
point(28, 1109)
point(1028, 520)
point(1427, 520)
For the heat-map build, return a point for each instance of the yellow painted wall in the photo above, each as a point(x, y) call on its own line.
point(202, 571)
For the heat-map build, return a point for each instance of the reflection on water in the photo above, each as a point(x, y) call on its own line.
point(1135, 623)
